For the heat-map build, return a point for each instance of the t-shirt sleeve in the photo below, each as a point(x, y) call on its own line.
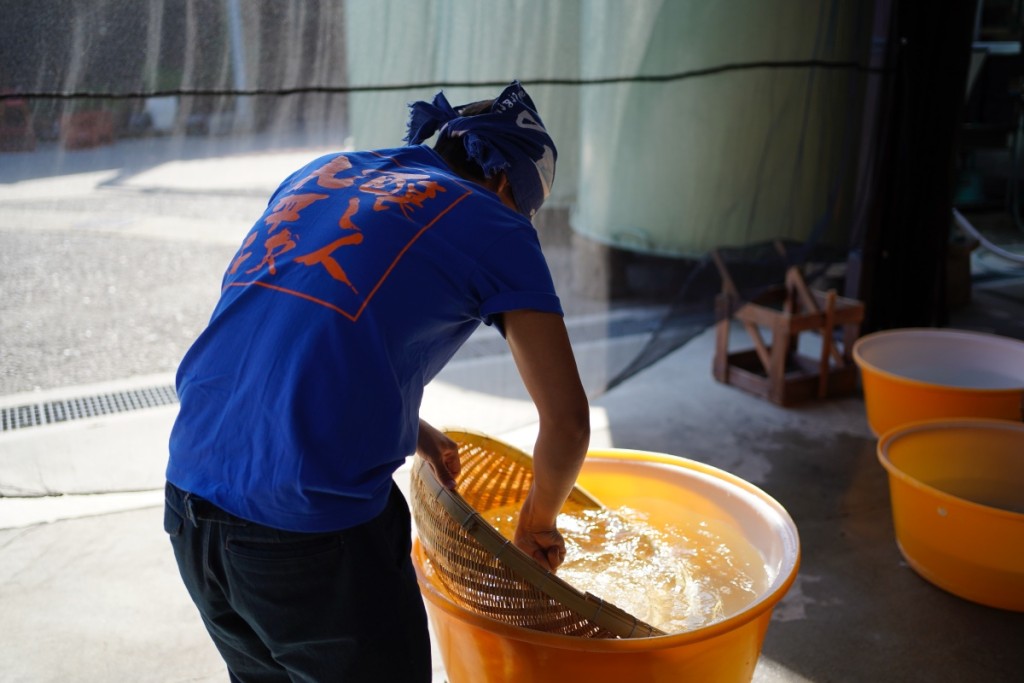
point(513, 275)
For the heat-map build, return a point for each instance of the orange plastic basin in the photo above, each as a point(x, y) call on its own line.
point(916, 374)
point(477, 649)
point(957, 490)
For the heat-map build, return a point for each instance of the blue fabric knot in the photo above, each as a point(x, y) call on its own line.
point(510, 137)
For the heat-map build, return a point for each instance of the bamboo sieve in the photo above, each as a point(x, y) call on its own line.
point(481, 569)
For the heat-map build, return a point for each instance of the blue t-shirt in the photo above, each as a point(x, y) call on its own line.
point(363, 277)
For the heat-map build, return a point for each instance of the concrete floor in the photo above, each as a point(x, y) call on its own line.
point(90, 591)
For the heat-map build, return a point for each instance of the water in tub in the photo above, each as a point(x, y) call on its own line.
point(676, 578)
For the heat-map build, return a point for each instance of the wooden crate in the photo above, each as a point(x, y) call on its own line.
point(776, 370)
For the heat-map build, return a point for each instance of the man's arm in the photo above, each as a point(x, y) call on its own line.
point(542, 353)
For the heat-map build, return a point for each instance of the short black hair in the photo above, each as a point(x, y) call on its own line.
point(453, 149)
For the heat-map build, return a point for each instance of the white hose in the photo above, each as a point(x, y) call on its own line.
point(985, 242)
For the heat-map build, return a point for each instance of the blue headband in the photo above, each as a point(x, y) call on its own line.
point(510, 137)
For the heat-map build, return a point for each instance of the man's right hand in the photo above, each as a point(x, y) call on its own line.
point(546, 547)
point(542, 542)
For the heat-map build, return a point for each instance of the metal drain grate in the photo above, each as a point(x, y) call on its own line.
point(39, 414)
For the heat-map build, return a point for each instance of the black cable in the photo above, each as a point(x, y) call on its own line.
point(346, 89)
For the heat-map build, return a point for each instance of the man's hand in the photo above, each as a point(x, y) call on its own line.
point(440, 452)
point(546, 546)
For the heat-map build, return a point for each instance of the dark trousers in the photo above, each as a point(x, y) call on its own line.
point(286, 606)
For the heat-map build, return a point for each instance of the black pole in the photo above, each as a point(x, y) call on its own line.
point(902, 273)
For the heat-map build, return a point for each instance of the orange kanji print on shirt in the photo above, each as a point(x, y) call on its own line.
point(326, 175)
point(243, 255)
point(323, 258)
point(287, 209)
point(345, 222)
point(318, 273)
point(405, 190)
point(275, 245)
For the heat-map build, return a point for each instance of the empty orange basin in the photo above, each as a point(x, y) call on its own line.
point(957, 489)
point(915, 374)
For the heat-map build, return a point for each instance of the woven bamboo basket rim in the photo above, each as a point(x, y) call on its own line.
point(578, 496)
point(591, 608)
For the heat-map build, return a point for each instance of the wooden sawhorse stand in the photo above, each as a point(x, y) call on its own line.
point(777, 371)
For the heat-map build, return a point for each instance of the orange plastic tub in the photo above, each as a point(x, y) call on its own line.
point(477, 649)
point(916, 374)
point(957, 490)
